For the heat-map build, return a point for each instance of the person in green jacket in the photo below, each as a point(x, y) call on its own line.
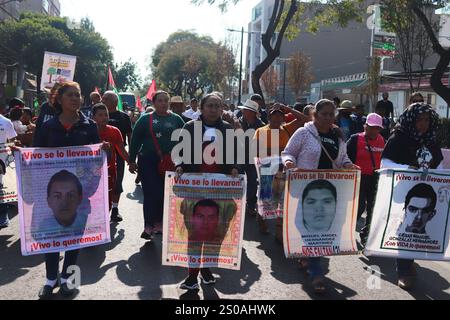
point(151, 143)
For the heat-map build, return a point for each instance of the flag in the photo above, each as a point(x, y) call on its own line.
point(97, 90)
point(151, 91)
point(112, 86)
point(139, 104)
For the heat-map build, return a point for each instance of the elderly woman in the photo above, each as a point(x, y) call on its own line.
point(413, 145)
point(306, 150)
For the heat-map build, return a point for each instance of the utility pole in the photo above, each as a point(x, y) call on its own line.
point(241, 60)
point(240, 68)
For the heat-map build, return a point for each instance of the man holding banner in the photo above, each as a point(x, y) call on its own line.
point(317, 146)
point(401, 228)
point(271, 184)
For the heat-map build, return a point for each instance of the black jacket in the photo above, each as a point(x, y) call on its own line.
point(402, 149)
point(52, 134)
point(220, 125)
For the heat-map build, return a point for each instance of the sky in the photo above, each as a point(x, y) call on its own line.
point(135, 27)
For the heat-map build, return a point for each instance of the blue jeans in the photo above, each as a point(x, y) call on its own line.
point(404, 267)
point(4, 220)
point(315, 269)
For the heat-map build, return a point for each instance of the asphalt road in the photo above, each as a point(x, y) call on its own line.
point(130, 269)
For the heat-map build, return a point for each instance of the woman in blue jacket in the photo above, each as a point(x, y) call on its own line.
point(68, 128)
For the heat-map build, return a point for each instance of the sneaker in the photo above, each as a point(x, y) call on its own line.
point(115, 216)
point(66, 292)
point(4, 224)
point(406, 283)
point(190, 283)
point(46, 292)
point(147, 236)
point(207, 277)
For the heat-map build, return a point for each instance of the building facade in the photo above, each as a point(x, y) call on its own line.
point(340, 60)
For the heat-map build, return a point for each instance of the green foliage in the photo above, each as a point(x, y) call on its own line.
point(192, 64)
point(126, 77)
point(33, 34)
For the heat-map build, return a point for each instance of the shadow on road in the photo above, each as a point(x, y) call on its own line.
point(137, 194)
point(143, 269)
point(237, 282)
point(12, 264)
point(91, 259)
point(430, 285)
point(287, 270)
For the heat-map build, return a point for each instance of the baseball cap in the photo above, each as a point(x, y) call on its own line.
point(374, 120)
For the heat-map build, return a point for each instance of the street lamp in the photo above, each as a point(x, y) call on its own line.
point(240, 64)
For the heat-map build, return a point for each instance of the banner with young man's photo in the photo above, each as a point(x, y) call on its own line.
point(63, 199)
point(272, 182)
point(321, 209)
point(8, 181)
point(410, 218)
point(204, 217)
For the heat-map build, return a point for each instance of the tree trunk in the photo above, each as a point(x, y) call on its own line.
point(273, 53)
point(438, 74)
point(444, 54)
point(20, 77)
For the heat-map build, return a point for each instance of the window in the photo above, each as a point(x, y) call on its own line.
point(431, 99)
point(46, 6)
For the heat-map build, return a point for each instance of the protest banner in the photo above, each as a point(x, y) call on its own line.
point(204, 218)
point(321, 208)
point(63, 199)
point(272, 182)
point(8, 184)
point(410, 218)
point(57, 68)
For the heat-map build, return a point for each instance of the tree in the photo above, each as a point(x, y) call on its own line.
point(193, 65)
point(419, 8)
point(126, 77)
point(270, 82)
point(94, 55)
point(299, 75)
point(414, 46)
point(33, 34)
point(223, 69)
point(288, 16)
point(30, 36)
point(373, 80)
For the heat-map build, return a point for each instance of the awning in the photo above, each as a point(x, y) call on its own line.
point(343, 85)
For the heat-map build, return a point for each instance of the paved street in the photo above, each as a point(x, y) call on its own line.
point(129, 269)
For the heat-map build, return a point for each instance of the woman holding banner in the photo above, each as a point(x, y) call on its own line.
point(413, 145)
point(319, 145)
point(152, 143)
point(211, 122)
point(69, 128)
